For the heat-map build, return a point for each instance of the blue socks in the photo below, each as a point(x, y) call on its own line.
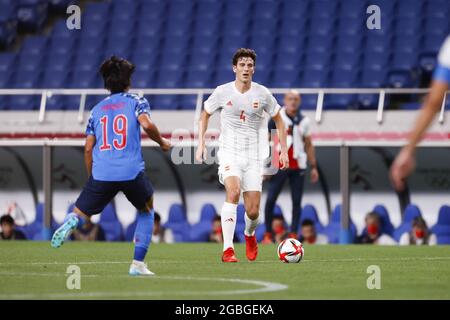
point(143, 234)
point(80, 220)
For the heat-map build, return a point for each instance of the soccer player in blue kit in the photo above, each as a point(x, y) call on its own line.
point(114, 161)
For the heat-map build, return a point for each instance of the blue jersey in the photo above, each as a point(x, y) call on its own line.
point(442, 71)
point(117, 154)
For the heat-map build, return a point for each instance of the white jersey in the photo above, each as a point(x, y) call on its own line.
point(243, 123)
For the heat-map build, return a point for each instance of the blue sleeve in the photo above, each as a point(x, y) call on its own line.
point(90, 129)
point(441, 73)
point(142, 106)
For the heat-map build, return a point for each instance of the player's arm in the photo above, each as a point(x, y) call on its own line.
point(404, 163)
point(88, 148)
point(200, 154)
point(311, 155)
point(152, 131)
point(281, 130)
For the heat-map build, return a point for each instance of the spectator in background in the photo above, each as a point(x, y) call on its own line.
point(161, 234)
point(9, 231)
point(89, 232)
point(300, 153)
point(419, 234)
point(279, 228)
point(309, 234)
point(374, 234)
point(216, 232)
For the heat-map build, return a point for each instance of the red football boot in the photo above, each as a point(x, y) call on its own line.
point(251, 247)
point(228, 255)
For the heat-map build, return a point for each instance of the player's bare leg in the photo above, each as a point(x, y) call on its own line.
point(252, 201)
point(228, 217)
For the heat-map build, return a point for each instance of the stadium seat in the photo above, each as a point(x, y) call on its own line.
point(207, 213)
point(177, 223)
point(32, 14)
point(442, 228)
point(310, 212)
point(333, 228)
point(111, 224)
point(34, 230)
point(411, 211)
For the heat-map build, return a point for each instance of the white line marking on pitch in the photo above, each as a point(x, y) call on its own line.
point(265, 287)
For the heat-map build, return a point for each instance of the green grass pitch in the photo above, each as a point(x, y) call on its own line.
point(34, 270)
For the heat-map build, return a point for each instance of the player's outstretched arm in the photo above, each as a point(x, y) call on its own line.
point(152, 131)
point(404, 163)
point(281, 130)
point(200, 154)
point(88, 147)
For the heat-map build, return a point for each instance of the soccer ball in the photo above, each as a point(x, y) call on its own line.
point(290, 251)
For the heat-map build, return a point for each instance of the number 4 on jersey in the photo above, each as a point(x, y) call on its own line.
point(242, 116)
point(120, 127)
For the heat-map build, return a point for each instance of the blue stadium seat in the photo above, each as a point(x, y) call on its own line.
point(411, 211)
point(386, 225)
point(177, 223)
point(320, 43)
point(295, 10)
point(55, 79)
point(8, 23)
point(333, 228)
point(433, 42)
point(143, 79)
point(207, 27)
point(7, 62)
point(310, 212)
point(129, 231)
point(165, 102)
point(322, 26)
point(375, 61)
point(264, 27)
point(237, 9)
point(209, 10)
point(339, 101)
point(410, 9)
point(314, 78)
point(436, 25)
point(198, 79)
point(34, 230)
point(349, 43)
point(378, 43)
point(408, 26)
point(442, 227)
point(111, 224)
point(401, 79)
point(293, 27)
point(352, 9)
point(152, 9)
point(317, 61)
point(324, 8)
point(283, 79)
point(32, 14)
point(235, 26)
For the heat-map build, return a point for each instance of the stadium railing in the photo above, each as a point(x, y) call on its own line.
point(320, 92)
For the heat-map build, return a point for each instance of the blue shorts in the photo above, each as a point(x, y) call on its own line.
point(97, 194)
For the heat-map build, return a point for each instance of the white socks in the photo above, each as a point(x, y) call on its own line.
point(228, 219)
point(250, 225)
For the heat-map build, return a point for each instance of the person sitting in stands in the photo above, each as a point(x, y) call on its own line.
point(9, 231)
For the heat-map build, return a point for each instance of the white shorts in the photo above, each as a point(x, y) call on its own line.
point(249, 172)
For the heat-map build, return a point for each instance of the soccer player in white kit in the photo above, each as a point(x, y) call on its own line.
point(404, 164)
point(243, 147)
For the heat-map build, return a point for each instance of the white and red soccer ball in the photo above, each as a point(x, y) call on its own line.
point(290, 251)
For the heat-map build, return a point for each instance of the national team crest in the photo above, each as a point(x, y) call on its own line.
point(255, 103)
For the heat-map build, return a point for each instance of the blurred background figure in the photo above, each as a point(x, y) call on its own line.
point(419, 234)
point(216, 231)
point(309, 234)
point(374, 233)
point(279, 228)
point(300, 153)
point(8, 229)
point(89, 232)
point(161, 234)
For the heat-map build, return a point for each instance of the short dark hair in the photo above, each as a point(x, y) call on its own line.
point(244, 53)
point(6, 219)
point(307, 223)
point(116, 73)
